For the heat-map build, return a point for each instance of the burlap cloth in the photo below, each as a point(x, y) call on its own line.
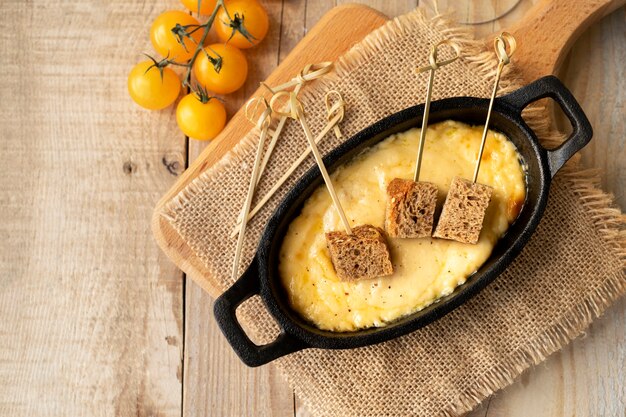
point(570, 272)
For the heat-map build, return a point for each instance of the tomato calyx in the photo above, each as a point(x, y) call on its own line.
point(216, 62)
point(181, 33)
point(159, 65)
point(202, 94)
point(236, 23)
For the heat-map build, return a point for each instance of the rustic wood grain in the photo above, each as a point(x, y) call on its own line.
point(550, 28)
point(216, 382)
point(595, 71)
point(91, 308)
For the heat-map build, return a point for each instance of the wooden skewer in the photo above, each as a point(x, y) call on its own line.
point(263, 123)
point(337, 108)
point(270, 147)
point(298, 114)
point(276, 135)
point(336, 111)
point(434, 65)
point(501, 43)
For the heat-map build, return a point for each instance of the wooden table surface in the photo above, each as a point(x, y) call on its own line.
point(95, 319)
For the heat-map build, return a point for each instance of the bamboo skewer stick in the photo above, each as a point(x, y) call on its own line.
point(271, 146)
point(338, 108)
point(275, 136)
point(263, 124)
point(297, 113)
point(500, 43)
point(434, 65)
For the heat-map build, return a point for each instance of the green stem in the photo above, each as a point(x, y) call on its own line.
point(200, 46)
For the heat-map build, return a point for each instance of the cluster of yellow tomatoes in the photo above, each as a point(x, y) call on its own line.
point(219, 68)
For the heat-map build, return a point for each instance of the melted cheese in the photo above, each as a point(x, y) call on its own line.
point(424, 269)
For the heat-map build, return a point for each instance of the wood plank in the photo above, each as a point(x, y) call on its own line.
point(550, 29)
point(216, 383)
point(91, 308)
point(595, 73)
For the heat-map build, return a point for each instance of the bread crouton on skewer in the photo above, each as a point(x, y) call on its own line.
point(467, 201)
point(356, 253)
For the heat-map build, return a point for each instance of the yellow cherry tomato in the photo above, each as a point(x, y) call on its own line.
point(200, 120)
point(248, 15)
point(165, 41)
point(232, 66)
point(149, 90)
point(206, 6)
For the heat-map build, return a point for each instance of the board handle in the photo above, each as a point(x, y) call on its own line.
point(549, 29)
point(224, 310)
point(550, 86)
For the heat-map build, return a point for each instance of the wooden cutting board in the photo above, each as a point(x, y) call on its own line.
point(544, 35)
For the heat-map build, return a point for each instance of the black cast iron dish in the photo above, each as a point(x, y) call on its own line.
point(262, 276)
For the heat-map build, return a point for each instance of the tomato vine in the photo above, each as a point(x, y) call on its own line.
point(181, 40)
point(182, 32)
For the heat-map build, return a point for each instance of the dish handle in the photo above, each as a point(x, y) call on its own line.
point(552, 87)
point(224, 310)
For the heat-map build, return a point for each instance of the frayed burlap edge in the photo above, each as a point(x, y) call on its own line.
point(608, 220)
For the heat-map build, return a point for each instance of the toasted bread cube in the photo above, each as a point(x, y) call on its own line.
point(362, 255)
point(410, 208)
point(464, 211)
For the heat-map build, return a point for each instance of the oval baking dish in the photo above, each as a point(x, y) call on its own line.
point(542, 164)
